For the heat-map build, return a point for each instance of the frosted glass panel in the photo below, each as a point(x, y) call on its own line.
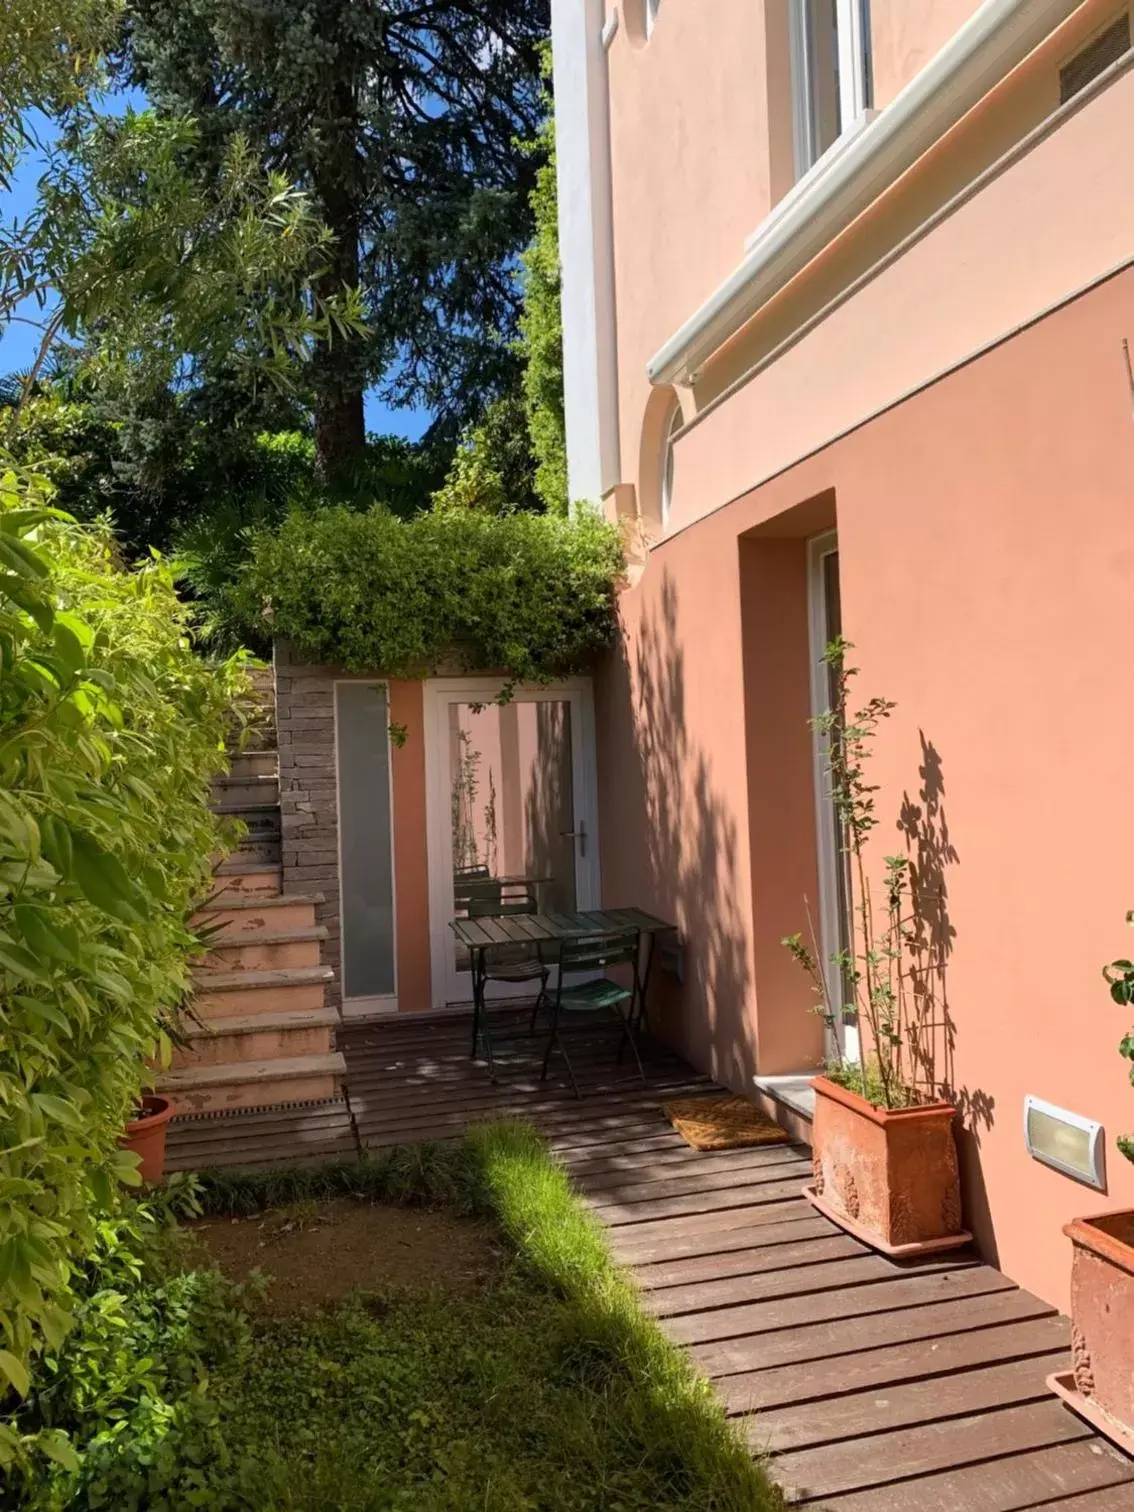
point(366, 873)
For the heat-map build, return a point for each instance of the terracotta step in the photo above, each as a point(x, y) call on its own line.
point(255, 1084)
point(270, 950)
point(256, 1037)
point(260, 914)
point(260, 788)
point(220, 994)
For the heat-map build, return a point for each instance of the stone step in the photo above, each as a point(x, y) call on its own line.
point(257, 848)
point(251, 792)
point(257, 914)
point(254, 1084)
point(256, 1037)
point(220, 994)
point(271, 950)
point(244, 877)
point(248, 764)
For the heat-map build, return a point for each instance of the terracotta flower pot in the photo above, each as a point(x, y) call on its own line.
point(145, 1137)
point(1102, 1317)
point(888, 1175)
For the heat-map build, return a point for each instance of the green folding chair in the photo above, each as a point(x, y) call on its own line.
point(601, 997)
point(513, 964)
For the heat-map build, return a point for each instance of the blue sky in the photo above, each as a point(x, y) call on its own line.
point(19, 342)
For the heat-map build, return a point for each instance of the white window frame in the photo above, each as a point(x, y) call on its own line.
point(853, 28)
point(377, 1005)
point(676, 421)
point(842, 1039)
point(652, 8)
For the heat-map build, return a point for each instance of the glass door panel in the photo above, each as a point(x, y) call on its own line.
point(516, 834)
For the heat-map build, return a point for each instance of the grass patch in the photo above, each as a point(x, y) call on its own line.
point(545, 1388)
point(447, 1174)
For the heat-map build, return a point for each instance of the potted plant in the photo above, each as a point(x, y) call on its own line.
point(883, 1138)
point(145, 1136)
point(1101, 1384)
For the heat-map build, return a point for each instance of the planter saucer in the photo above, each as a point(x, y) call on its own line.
point(895, 1251)
point(1063, 1384)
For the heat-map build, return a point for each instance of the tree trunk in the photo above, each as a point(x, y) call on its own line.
point(339, 365)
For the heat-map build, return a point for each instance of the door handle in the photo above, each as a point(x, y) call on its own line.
point(580, 835)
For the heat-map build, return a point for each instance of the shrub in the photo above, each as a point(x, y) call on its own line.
point(531, 596)
point(111, 729)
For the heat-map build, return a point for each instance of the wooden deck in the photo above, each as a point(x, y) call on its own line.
point(875, 1386)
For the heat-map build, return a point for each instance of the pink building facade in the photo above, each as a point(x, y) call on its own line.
point(847, 297)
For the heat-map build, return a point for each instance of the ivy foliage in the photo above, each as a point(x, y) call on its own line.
point(111, 729)
point(531, 596)
point(541, 325)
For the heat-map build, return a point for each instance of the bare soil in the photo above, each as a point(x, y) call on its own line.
point(315, 1254)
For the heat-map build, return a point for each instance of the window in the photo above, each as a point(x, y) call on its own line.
point(652, 8)
point(675, 424)
point(831, 77)
point(1098, 55)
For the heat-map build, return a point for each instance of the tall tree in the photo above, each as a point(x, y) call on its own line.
point(401, 118)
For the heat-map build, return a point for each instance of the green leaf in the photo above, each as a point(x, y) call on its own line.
point(103, 879)
point(68, 647)
point(58, 1447)
point(46, 934)
point(55, 839)
point(58, 1108)
point(15, 1372)
point(21, 962)
point(21, 558)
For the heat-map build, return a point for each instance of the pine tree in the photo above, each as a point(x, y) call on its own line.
point(402, 119)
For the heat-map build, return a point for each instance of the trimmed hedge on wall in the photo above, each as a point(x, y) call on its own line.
point(111, 729)
point(532, 596)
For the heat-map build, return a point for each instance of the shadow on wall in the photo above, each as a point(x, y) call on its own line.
point(930, 942)
point(687, 869)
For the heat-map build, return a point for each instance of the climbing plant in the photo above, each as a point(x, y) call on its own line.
point(1120, 976)
point(527, 595)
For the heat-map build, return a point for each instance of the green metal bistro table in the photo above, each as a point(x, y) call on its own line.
point(479, 935)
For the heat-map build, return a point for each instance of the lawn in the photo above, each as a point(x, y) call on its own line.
point(516, 1371)
point(439, 1329)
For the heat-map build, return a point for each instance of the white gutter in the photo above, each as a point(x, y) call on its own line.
point(989, 45)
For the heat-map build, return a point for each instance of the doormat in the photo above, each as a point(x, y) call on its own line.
point(722, 1123)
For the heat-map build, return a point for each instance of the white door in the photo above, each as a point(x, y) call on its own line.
point(511, 807)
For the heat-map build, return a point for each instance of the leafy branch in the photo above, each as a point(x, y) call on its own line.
point(1120, 977)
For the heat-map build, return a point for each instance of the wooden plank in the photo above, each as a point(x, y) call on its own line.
point(854, 1302)
point(802, 1224)
point(757, 1286)
point(835, 1469)
point(878, 1369)
point(662, 1163)
point(1083, 1476)
point(748, 1194)
point(704, 1224)
point(761, 1285)
point(748, 1261)
point(859, 1413)
point(697, 1182)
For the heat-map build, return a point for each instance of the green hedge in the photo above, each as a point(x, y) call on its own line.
point(531, 596)
point(111, 729)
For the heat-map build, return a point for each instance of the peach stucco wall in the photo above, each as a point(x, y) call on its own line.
point(905, 34)
point(1058, 217)
point(411, 856)
point(987, 562)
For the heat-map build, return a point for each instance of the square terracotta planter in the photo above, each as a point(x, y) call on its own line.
point(887, 1175)
point(1102, 1324)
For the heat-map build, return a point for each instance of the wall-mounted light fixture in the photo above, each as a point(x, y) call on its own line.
point(1065, 1141)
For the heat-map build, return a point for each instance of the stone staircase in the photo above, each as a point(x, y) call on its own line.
point(259, 1032)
